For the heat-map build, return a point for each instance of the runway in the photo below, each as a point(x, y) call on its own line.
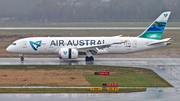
point(98, 61)
point(167, 68)
point(151, 94)
point(82, 28)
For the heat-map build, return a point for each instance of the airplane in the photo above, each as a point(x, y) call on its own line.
point(72, 47)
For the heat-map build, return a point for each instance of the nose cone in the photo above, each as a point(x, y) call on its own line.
point(11, 49)
point(8, 49)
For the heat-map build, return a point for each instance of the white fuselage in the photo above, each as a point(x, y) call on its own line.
point(51, 45)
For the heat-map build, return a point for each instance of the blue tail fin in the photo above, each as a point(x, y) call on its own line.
point(155, 30)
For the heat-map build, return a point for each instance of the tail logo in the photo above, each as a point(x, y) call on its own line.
point(35, 45)
point(153, 36)
point(65, 52)
point(165, 15)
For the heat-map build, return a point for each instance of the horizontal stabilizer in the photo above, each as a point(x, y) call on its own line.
point(158, 41)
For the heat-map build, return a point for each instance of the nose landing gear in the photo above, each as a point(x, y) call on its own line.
point(22, 58)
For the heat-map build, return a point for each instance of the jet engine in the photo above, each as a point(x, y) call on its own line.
point(68, 53)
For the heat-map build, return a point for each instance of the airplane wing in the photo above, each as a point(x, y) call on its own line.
point(158, 41)
point(95, 47)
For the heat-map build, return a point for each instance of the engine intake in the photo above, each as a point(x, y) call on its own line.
point(68, 53)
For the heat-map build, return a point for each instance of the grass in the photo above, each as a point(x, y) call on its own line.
point(66, 90)
point(18, 75)
point(128, 78)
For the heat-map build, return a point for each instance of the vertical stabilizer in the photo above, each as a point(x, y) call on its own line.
point(155, 30)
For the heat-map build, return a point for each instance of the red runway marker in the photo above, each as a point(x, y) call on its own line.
point(112, 84)
point(103, 73)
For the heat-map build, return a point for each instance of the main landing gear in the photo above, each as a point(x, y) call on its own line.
point(89, 58)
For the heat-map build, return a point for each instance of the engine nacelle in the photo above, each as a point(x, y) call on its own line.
point(68, 53)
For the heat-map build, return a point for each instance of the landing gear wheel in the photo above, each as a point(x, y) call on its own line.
point(89, 58)
point(22, 58)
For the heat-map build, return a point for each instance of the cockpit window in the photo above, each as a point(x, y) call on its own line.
point(14, 44)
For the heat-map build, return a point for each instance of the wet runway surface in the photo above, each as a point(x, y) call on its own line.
point(156, 94)
point(167, 68)
point(149, 95)
point(97, 61)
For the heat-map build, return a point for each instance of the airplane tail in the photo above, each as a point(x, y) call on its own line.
point(155, 30)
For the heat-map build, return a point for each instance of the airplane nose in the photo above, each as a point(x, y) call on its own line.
point(8, 49)
point(11, 49)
